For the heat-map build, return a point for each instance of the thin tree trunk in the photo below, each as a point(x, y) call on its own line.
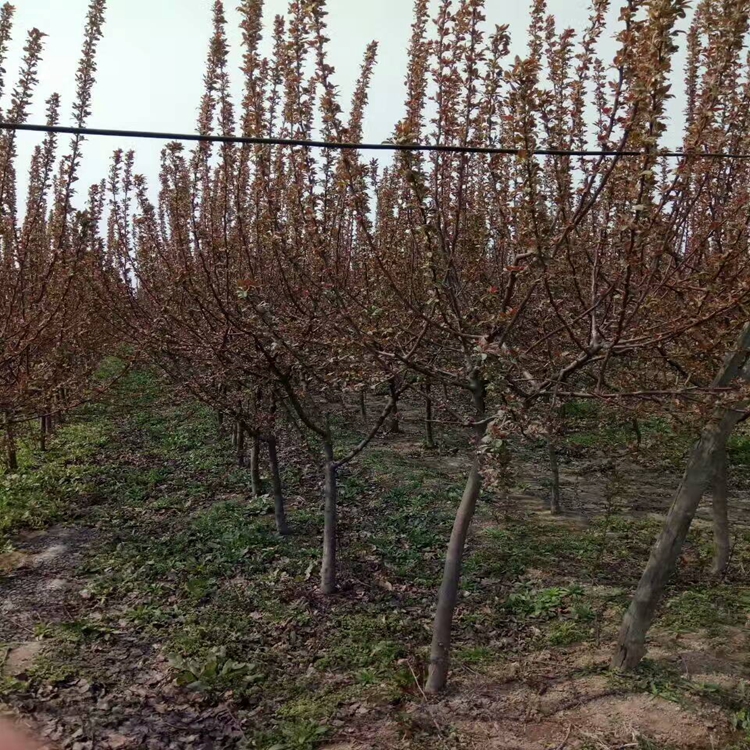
point(429, 427)
point(448, 595)
point(43, 433)
point(241, 453)
point(555, 505)
point(330, 492)
point(363, 406)
point(665, 553)
point(62, 403)
point(255, 481)
point(637, 432)
point(278, 496)
point(720, 514)
point(700, 471)
point(443, 624)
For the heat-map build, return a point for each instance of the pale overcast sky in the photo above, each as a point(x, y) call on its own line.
point(151, 61)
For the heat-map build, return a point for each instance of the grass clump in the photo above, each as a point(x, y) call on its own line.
point(707, 607)
point(49, 486)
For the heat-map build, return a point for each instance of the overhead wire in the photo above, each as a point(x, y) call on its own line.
point(344, 146)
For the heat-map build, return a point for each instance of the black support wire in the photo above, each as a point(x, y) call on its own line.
point(385, 146)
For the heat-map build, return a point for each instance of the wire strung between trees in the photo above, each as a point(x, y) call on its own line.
point(385, 146)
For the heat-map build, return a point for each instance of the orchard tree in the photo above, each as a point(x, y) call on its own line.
point(48, 344)
point(526, 280)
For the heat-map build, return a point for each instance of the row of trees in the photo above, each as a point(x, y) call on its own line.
point(49, 340)
point(267, 281)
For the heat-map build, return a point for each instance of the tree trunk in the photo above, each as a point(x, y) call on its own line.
point(720, 514)
point(665, 553)
point(10, 446)
point(62, 404)
point(448, 595)
point(241, 456)
point(395, 425)
point(441, 631)
point(330, 491)
point(637, 432)
point(429, 431)
point(363, 406)
point(43, 433)
point(555, 498)
point(255, 481)
point(278, 495)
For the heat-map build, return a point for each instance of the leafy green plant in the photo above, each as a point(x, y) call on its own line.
point(10, 686)
point(215, 673)
point(306, 735)
point(741, 720)
point(541, 603)
point(566, 633)
point(85, 630)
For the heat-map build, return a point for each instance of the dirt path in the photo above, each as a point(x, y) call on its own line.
point(117, 691)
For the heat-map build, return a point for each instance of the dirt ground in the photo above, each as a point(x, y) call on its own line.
point(546, 701)
point(111, 684)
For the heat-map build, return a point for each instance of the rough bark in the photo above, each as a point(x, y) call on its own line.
point(448, 595)
point(720, 514)
point(278, 496)
point(255, 481)
point(665, 553)
point(330, 496)
point(555, 505)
